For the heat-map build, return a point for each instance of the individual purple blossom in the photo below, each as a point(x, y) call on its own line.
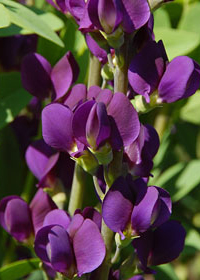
point(70, 246)
point(160, 245)
point(22, 220)
point(15, 217)
point(90, 119)
point(139, 154)
point(41, 159)
point(151, 72)
point(42, 81)
point(131, 208)
point(110, 14)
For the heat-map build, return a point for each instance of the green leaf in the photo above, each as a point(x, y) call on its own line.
point(165, 272)
point(25, 18)
point(13, 98)
point(168, 174)
point(188, 180)
point(19, 269)
point(190, 112)
point(177, 42)
point(193, 239)
point(161, 18)
point(190, 20)
point(4, 17)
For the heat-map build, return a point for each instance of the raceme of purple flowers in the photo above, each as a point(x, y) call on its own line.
point(102, 132)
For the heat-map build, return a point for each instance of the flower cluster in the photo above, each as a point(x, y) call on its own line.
point(99, 128)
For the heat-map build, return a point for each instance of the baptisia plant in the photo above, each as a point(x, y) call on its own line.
point(100, 129)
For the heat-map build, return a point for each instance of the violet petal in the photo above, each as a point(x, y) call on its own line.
point(89, 247)
point(57, 127)
point(128, 116)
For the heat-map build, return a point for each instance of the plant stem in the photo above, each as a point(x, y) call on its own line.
point(78, 188)
point(121, 70)
point(94, 72)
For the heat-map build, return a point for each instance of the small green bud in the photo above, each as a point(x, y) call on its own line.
point(104, 154)
point(88, 162)
point(115, 39)
point(142, 106)
point(106, 72)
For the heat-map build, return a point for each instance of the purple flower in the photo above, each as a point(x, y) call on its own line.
point(140, 153)
point(22, 220)
point(159, 246)
point(110, 14)
point(15, 217)
point(150, 72)
point(70, 247)
point(49, 166)
point(90, 121)
point(131, 208)
point(41, 80)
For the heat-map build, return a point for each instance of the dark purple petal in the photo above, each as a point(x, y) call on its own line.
point(41, 242)
point(3, 204)
point(57, 127)
point(110, 14)
point(40, 158)
point(17, 218)
point(95, 49)
point(60, 5)
point(35, 73)
point(168, 242)
point(164, 207)
point(141, 217)
point(77, 8)
point(117, 206)
point(93, 13)
point(57, 217)
point(180, 80)
point(127, 121)
point(97, 126)
point(61, 252)
point(40, 205)
point(80, 120)
point(75, 224)
point(146, 68)
point(76, 95)
point(89, 247)
point(135, 14)
point(143, 247)
point(64, 73)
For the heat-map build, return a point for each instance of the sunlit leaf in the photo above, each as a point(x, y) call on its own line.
point(26, 19)
point(4, 17)
point(19, 269)
point(177, 42)
point(190, 112)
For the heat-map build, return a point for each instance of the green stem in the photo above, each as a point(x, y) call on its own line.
point(102, 272)
point(121, 70)
point(78, 188)
point(98, 189)
point(94, 72)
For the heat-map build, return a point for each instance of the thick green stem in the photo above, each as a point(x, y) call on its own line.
point(94, 72)
point(121, 71)
point(102, 272)
point(78, 188)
